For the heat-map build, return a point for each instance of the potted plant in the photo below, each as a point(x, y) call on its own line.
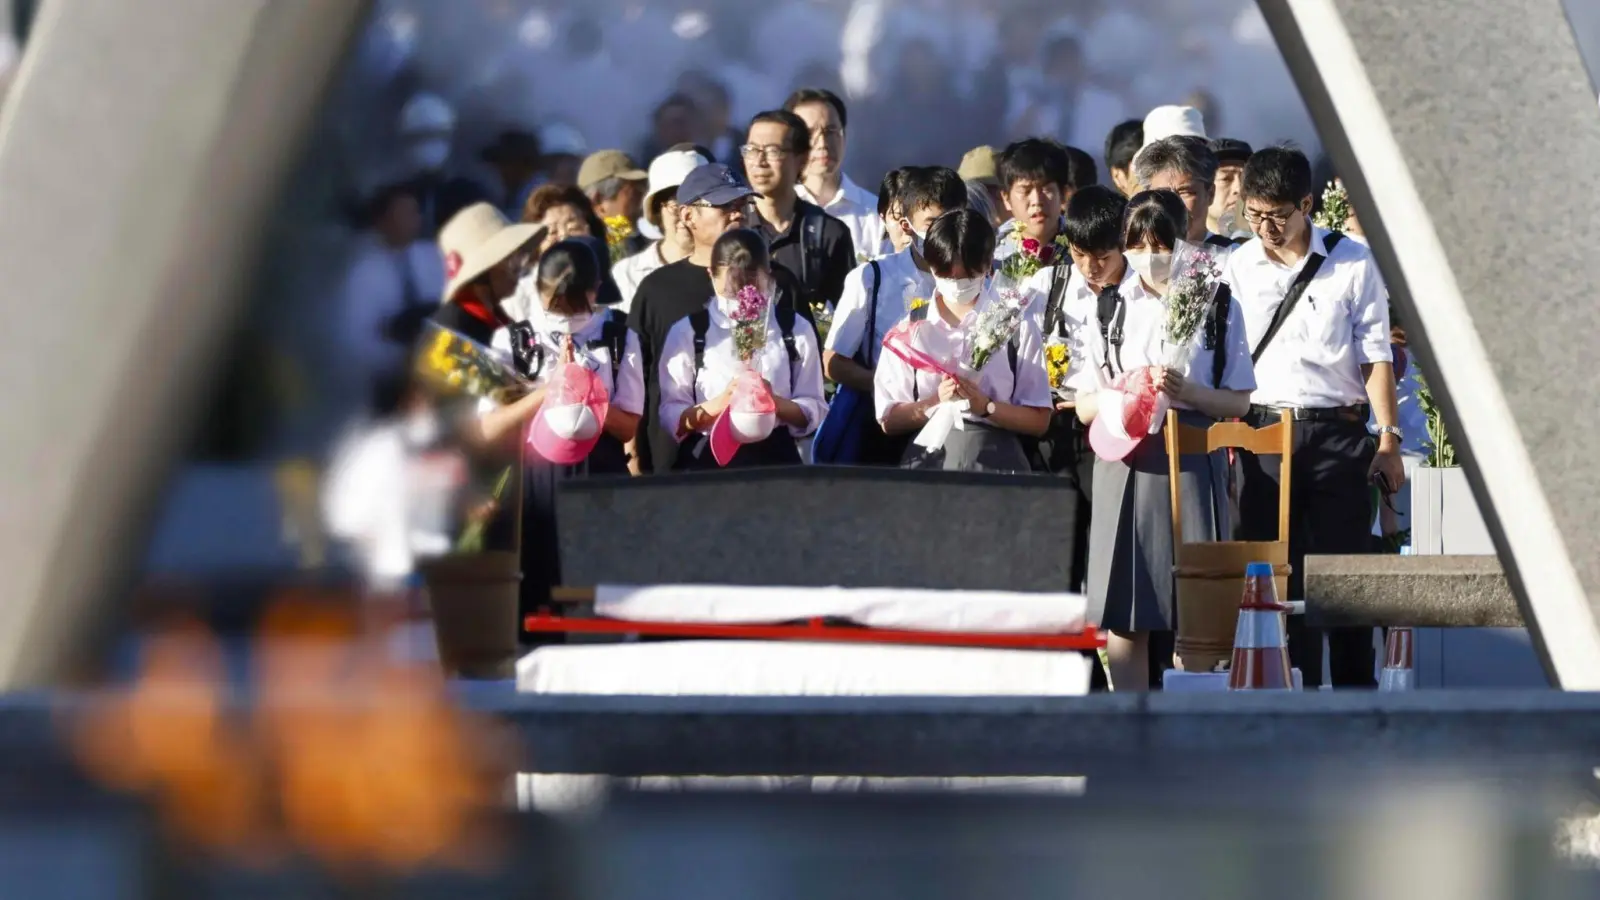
point(1445, 517)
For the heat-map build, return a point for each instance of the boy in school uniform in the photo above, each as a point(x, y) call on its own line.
point(1092, 227)
point(1317, 319)
point(1030, 257)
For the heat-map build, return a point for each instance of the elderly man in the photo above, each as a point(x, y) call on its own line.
point(1187, 167)
point(616, 188)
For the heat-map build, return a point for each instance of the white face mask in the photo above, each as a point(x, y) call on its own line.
point(567, 324)
point(958, 290)
point(916, 239)
point(1154, 268)
point(524, 301)
point(430, 155)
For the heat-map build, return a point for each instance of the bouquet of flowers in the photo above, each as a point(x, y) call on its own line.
point(1196, 274)
point(1057, 361)
point(618, 230)
point(455, 364)
point(1335, 210)
point(1031, 256)
point(995, 327)
point(749, 322)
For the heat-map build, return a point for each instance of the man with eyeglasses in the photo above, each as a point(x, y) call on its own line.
point(823, 180)
point(1317, 318)
point(811, 244)
point(712, 201)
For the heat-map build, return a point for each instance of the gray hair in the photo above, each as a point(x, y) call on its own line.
point(1176, 154)
point(605, 189)
point(978, 201)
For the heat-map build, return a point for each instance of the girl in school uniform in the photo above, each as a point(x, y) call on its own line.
point(563, 324)
point(1008, 399)
point(700, 365)
point(1131, 588)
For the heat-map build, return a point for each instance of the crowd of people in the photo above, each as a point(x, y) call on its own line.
point(780, 298)
point(729, 295)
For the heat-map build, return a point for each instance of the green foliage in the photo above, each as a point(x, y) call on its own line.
point(1441, 453)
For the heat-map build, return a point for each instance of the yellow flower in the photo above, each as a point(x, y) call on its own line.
point(1057, 361)
point(916, 304)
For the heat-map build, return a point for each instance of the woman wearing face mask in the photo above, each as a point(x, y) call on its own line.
point(1008, 398)
point(1130, 540)
point(700, 364)
point(562, 323)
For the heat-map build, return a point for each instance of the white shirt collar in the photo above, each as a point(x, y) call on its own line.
point(849, 193)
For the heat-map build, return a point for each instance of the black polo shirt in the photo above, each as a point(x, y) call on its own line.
point(670, 293)
point(823, 266)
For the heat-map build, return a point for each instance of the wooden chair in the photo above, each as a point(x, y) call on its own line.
point(1209, 577)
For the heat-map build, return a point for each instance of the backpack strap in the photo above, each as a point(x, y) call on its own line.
point(701, 323)
point(812, 219)
point(864, 357)
point(1296, 289)
point(1111, 312)
point(614, 337)
point(1216, 338)
point(785, 314)
point(1054, 317)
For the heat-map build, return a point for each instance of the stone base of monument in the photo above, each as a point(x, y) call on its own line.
point(1445, 521)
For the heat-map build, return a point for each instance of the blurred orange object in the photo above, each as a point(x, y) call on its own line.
point(357, 760)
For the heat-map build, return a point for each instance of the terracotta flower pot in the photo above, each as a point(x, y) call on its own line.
point(475, 602)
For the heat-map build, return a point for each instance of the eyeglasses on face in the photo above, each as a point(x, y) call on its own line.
point(1278, 219)
point(827, 136)
point(770, 153)
point(735, 206)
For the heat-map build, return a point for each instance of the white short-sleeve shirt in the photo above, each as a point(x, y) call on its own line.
point(1340, 324)
point(1144, 343)
point(902, 283)
point(589, 350)
point(682, 386)
point(857, 208)
point(896, 382)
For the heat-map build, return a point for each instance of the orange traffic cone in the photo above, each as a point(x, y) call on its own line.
point(1260, 649)
point(1399, 670)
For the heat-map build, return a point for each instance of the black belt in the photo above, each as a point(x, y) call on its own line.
point(1266, 415)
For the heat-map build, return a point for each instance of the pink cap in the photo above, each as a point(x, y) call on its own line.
point(1130, 410)
point(750, 417)
point(572, 417)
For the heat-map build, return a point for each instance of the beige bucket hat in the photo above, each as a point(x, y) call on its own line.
point(476, 240)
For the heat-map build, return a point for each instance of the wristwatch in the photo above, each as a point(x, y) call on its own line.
point(989, 410)
point(1394, 430)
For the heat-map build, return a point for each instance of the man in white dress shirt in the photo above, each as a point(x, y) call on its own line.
point(667, 172)
point(1317, 318)
point(823, 181)
point(880, 292)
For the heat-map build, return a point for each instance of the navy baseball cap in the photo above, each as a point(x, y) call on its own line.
point(714, 184)
point(1230, 150)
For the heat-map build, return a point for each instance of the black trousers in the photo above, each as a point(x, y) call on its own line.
point(1330, 506)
